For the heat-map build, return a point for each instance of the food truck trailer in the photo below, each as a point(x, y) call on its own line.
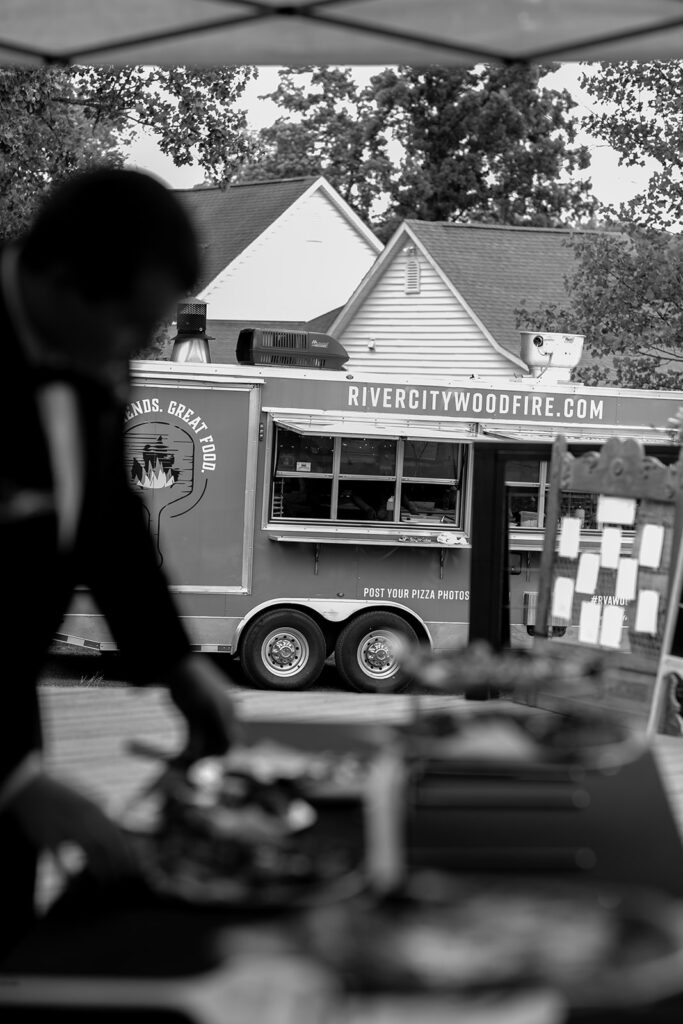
point(303, 511)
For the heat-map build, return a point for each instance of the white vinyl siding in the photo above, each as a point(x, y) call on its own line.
point(307, 263)
point(426, 333)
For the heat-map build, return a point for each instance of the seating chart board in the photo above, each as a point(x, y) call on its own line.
point(608, 587)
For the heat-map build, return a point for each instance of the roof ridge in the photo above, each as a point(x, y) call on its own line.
point(499, 227)
point(245, 184)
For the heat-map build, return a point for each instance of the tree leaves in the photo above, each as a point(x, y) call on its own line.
point(45, 135)
point(639, 113)
point(54, 121)
point(432, 143)
point(625, 296)
point(330, 127)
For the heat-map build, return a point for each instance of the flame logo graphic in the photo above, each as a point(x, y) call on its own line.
point(162, 470)
point(156, 470)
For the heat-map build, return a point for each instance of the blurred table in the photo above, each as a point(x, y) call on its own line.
point(106, 957)
point(98, 957)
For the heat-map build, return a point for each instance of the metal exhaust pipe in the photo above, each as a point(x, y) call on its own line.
point(191, 344)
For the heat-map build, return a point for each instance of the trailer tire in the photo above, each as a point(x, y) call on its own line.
point(363, 652)
point(283, 650)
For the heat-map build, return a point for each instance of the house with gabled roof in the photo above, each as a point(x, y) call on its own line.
point(441, 298)
point(285, 253)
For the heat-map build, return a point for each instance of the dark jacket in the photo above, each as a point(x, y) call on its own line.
point(112, 554)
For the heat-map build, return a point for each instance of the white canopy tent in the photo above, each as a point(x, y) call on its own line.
point(299, 32)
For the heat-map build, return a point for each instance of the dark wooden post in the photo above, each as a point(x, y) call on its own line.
point(489, 586)
point(552, 515)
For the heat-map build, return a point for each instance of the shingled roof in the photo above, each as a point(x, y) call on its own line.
point(229, 219)
point(498, 268)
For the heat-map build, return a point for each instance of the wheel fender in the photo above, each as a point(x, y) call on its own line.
point(334, 611)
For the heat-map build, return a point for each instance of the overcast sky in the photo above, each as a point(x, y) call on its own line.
point(611, 183)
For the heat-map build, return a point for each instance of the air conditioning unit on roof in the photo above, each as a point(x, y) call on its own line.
point(259, 346)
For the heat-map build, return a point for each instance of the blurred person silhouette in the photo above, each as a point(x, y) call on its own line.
point(104, 261)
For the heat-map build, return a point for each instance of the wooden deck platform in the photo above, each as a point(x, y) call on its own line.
point(87, 728)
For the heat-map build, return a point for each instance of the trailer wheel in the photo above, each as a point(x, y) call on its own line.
point(365, 652)
point(283, 650)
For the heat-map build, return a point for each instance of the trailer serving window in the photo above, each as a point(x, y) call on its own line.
point(386, 481)
point(527, 489)
point(526, 482)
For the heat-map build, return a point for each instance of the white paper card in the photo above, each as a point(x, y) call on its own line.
point(610, 629)
point(563, 595)
point(570, 537)
point(587, 573)
point(627, 575)
point(610, 546)
point(651, 544)
point(589, 622)
point(646, 612)
point(621, 511)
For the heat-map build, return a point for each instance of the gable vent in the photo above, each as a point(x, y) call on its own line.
point(412, 276)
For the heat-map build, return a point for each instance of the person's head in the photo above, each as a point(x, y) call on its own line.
point(108, 255)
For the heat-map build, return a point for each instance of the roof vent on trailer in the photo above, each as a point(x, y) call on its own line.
point(258, 346)
point(191, 344)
